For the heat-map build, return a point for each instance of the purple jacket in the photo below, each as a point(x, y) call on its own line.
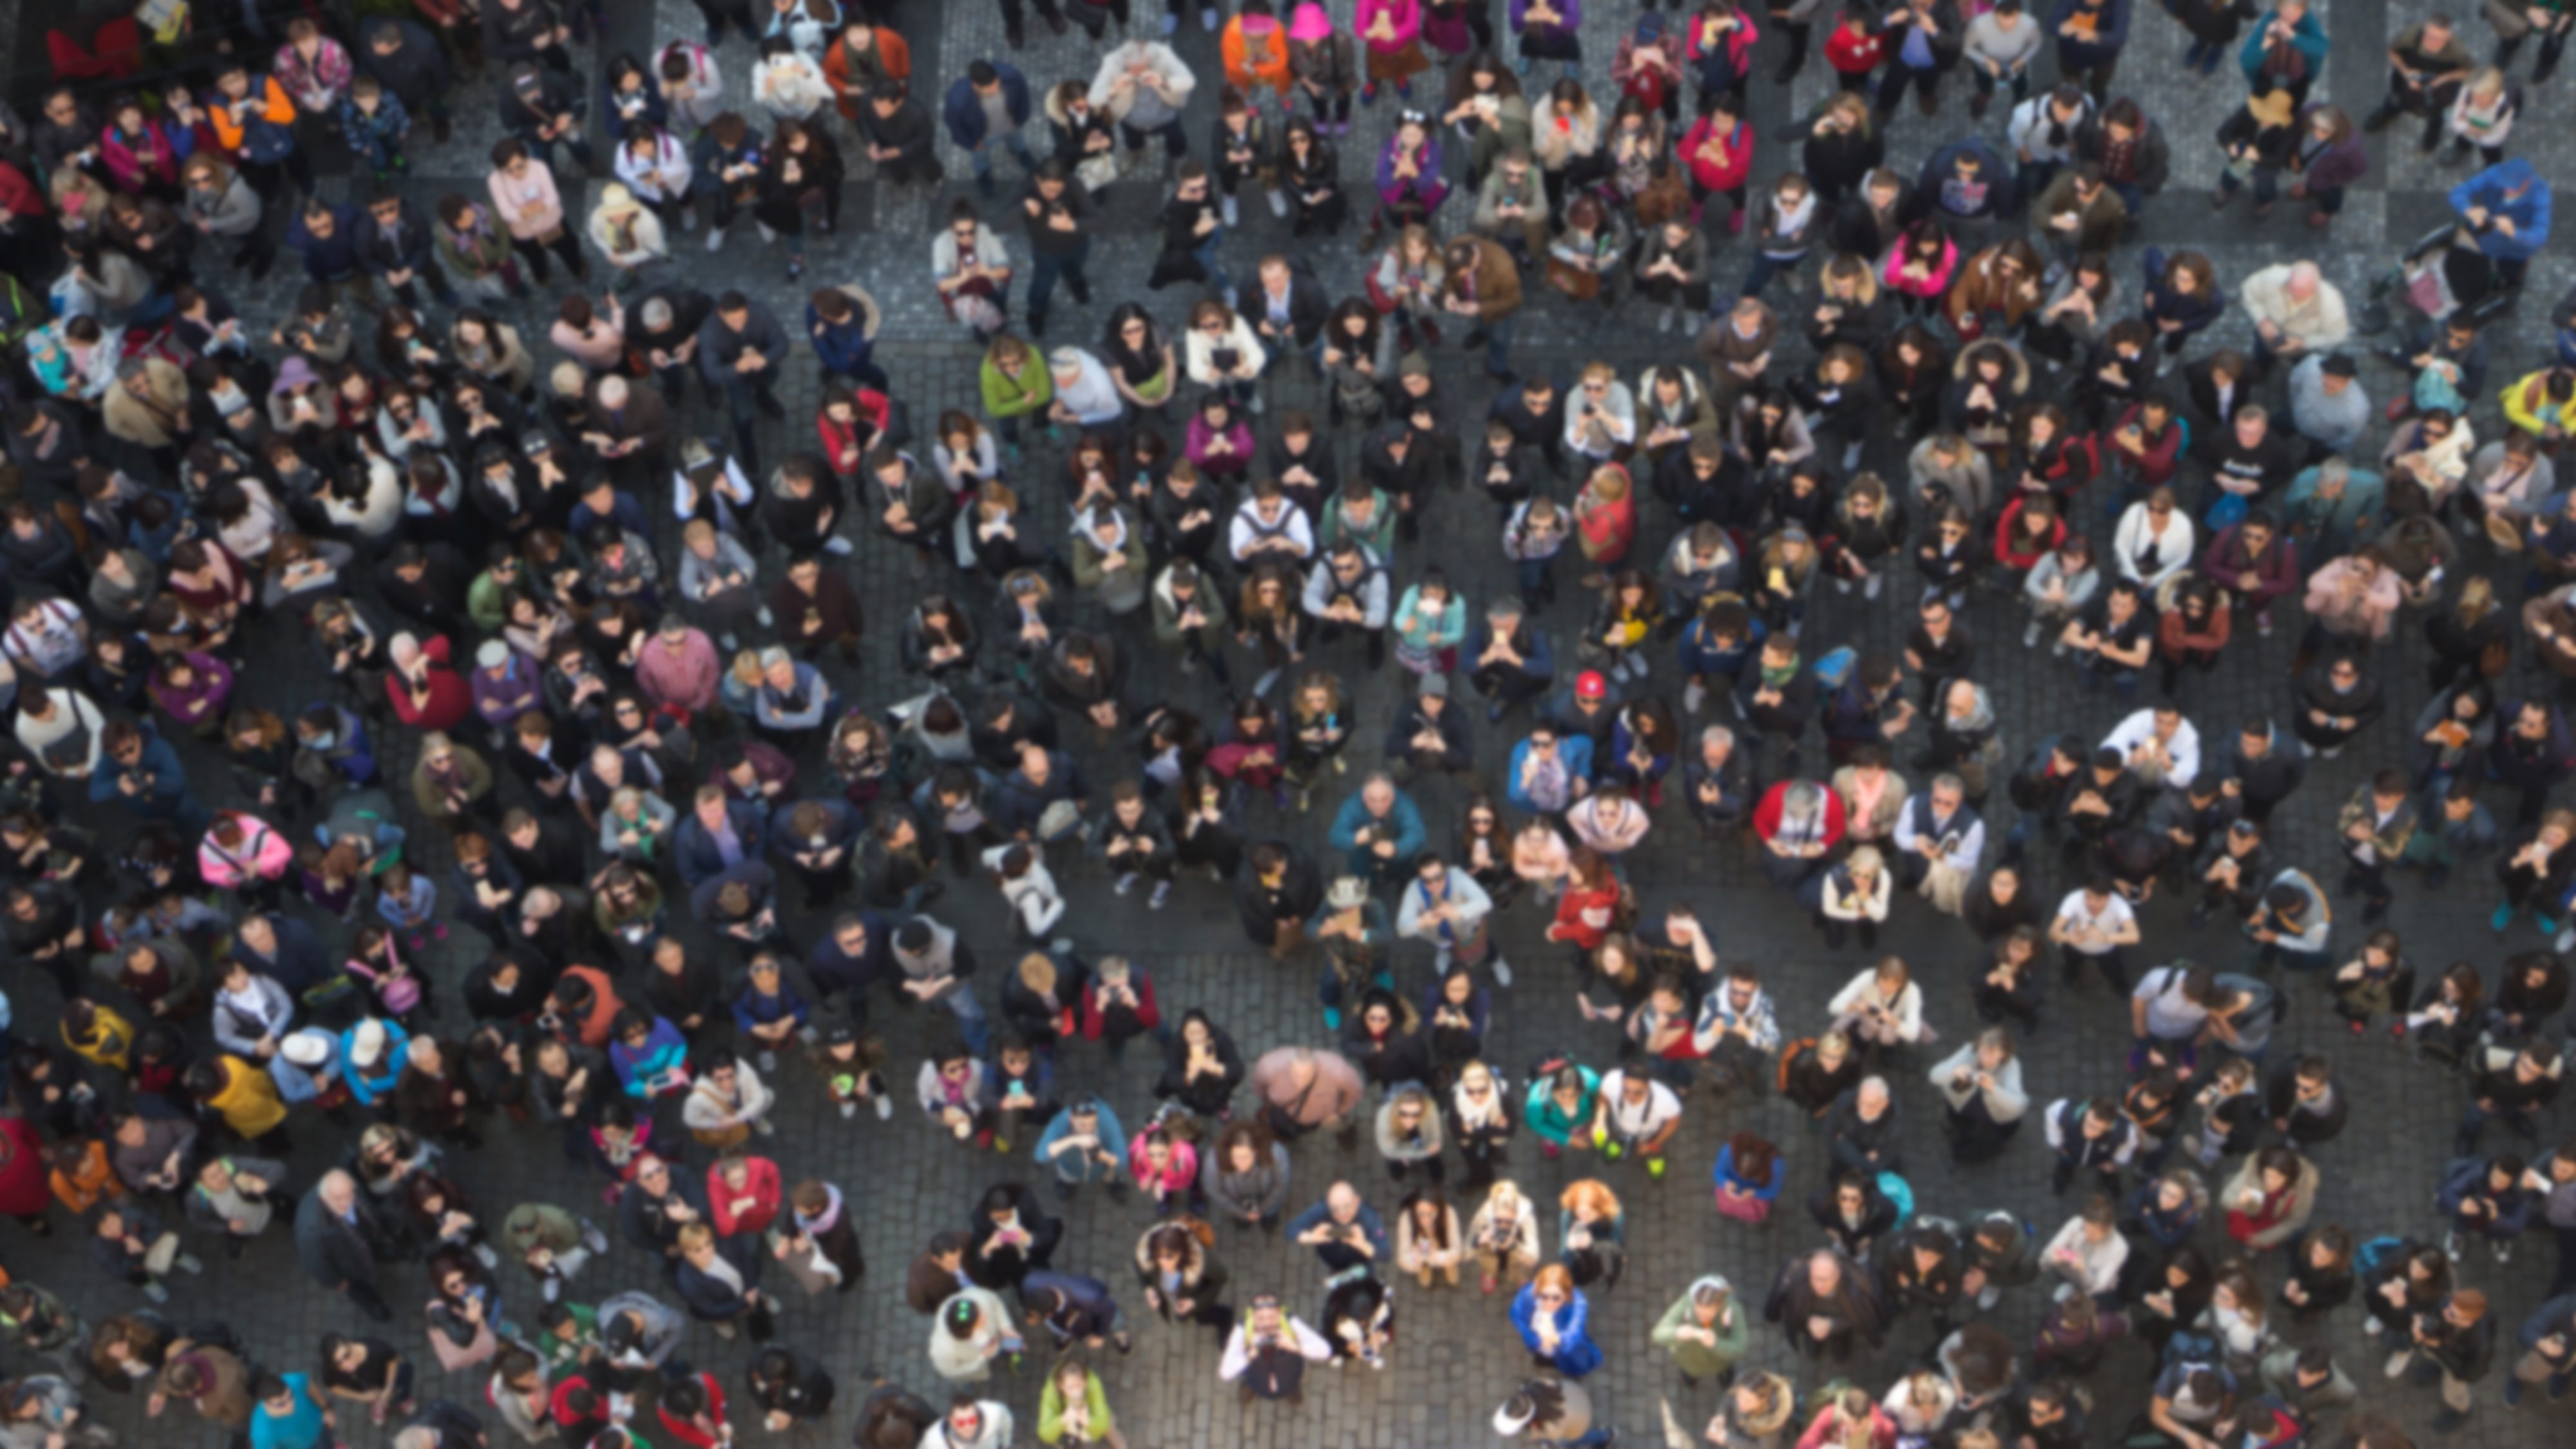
point(499, 701)
point(1428, 187)
point(2341, 164)
point(1571, 25)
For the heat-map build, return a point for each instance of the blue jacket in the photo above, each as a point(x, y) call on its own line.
point(964, 112)
point(1724, 1174)
point(332, 259)
point(663, 1049)
point(695, 852)
point(2111, 33)
point(371, 1085)
point(1354, 814)
point(1371, 1226)
point(1993, 196)
point(1576, 1353)
point(752, 1009)
point(842, 348)
point(2492, 189)
point(1574, 749)
point(169, 781)
point(1702, 654)
point(2308, 38)
point(1083, 1167)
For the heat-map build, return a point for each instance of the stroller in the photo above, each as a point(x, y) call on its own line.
point(2441, 275)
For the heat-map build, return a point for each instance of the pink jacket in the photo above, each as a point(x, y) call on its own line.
point(2339, 600)
point(264, 854)
point(318, 84)
point(1407, 15)
point(530, 206)
point(1180, 1170)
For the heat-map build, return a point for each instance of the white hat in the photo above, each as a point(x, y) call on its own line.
point(367, 1044)
point(493, 654)
point(306, 1048)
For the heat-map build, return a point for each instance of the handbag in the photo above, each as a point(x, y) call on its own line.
point(1574, 282)
point(2495, 658)
point(1744, 1209)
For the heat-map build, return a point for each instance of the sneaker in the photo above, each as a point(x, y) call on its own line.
point(156, 1292)
point(1125, 883)
point(1870, 588)
point(768, 1060)
point(2030, 636)
point(767, 236)
point(1502, 971)
point(2452, 1247)
point(1258, 405)
point(1279, 204)
point(2503, 1250)
point(1162, 893)
point(1694, 695)
point(849, 1111)
point(192, 1265)
point(715, 239)
point(2500, 918)
point(2398, 1361)
point(885, 1108)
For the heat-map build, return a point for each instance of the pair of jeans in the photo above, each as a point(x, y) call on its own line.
point(1206, 254)
point(541, 149)
point(1046, 268)
point(960, 1000)
point(2019, 81)
point(1498, 345)
point(1175, 144)
point(981, 158)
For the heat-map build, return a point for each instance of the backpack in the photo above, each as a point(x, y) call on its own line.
point(2371, 1256)
point(1834, 666)
point(1900, 1194)
point(1789, 1058)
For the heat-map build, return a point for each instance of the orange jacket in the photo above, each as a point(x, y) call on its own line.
point(893, 52)
point(280, 112)
point(92, 1184)
point(1261, 61)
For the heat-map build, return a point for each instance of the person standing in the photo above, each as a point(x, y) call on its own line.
point(340, 1237)
point(1552, 1411)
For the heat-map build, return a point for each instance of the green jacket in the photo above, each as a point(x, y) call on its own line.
point(1006, 398)
point(1095, 1408)
point(470, 260)
point(1696, 1359)
point(563, 1354)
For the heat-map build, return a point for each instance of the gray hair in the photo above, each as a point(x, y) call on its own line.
point(1947, 781)
point(1718, 734)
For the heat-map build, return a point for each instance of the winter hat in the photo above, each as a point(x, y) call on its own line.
point(1310, 23)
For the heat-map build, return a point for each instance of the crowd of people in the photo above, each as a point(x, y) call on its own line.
point(587, 683)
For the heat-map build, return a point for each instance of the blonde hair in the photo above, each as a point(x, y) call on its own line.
point(1037, 973)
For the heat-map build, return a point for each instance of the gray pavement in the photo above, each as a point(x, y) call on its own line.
point(1455, 1353)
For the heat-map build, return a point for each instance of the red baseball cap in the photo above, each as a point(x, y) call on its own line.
point(1590, 685)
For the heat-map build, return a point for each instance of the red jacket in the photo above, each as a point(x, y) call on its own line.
point(1723, 175)
point(1148, 1015)
point(2006, 531)
point(1854, 57)
point(1766, 816)
point(761, 1189)
point(24, 1191)
point(685, 1431)
point(446, 702)
point(2162, 457)
point(20, 196)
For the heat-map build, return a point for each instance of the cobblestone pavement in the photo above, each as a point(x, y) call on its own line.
point(1456, 1354)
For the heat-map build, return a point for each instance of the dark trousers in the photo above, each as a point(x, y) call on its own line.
point(1047, 268)
point(566, 246)
point(1893, 81)
point(2113, 964)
